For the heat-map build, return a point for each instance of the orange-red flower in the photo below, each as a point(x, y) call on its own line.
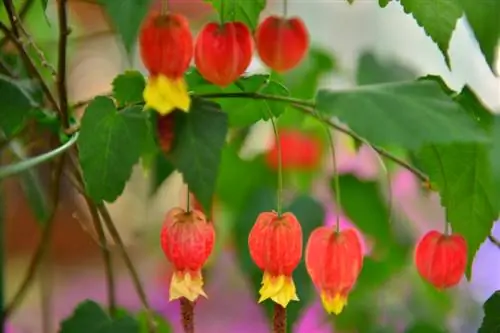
point(187, 240)
point(299, 151)
point(275, 244)
point(334, 261)
point(166, 48)
point(223, 52)
point(165, 127)
point(282, 43)
point(441, 259)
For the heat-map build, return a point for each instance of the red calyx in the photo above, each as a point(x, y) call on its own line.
point(298, 151)
point(334, 260)
point(165, 127)
point(275, 243)
point(223, 52)
point(282, 43)
point(166, 44)
point(441, 259)
point(187, 239)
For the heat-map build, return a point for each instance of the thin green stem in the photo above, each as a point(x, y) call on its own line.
point(285, 8)
point(164, 7)
point(335, 178)
point(279, 193)
point(389, 182)
point(188, 199)
point(24, 165)
point(446, 228)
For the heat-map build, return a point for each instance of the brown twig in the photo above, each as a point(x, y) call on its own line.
point(22, 13)
point(43, 245)
point(279, 319)
point(187, 315)
point(106, 255)
point(61, 65)
point(494, 240)
point(108, 222)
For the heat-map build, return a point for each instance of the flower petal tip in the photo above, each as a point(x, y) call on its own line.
point(334, 304)
point(280, 289)
point(165, 95)
point(186, 285)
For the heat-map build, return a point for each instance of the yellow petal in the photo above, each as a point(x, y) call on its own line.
point(164, 94)
point(186, 285)
point(279, 289)
point(333, 304)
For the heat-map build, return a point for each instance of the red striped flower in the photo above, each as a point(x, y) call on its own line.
point(441, 259)
point(187, 240)
point(334, 261)
point(275, 244)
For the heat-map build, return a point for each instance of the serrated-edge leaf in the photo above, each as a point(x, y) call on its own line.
point(97, 319)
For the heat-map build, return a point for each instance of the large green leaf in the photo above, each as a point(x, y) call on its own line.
point(491, 320)
point(127, 16)
point(245, 11)
point(128, 87)
point(309, 212)
point(438, 18)
point(90, 317)
point(16, 106)
point(111, 143)
point(404, 114)
point(372, 69)
point(200, 136)
point(484, 18)
point(462, 174)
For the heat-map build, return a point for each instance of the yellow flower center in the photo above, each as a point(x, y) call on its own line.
point(188, 285)
point(164, 94)
point(333, 304)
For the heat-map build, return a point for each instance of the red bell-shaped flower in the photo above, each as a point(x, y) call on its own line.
point(187, 240)
point(334, 261)
point(165, 127)
point(282, 43)
point(223, 52)
point(275, 244)
point(441, 259)
point(299, 151)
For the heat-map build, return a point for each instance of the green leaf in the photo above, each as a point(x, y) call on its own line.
point(373, 70)
point(462, 173)
point(423, 327)
point(495, 155)
point(16, 106)
point(90, 317)
point(162, 169)
point(128, 87)
point(127, 16)
point(243, 111)
point(491, 320)
point(408, 115)
point(438, 18)
point(44, 4)
point(200, 136)
point(111, 143)
point(463, 176)
point(244, 11)
point(383, 3)
point(162, 326)
point(484, 19)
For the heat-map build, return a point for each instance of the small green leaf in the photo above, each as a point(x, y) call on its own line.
point(408, 114)
point(383, 3)
point(245, 11)
point(438, 18)
point(16, 106)
point(128, 87)
point(491, 320)
point(373, 70)
point(90, 317)
point(484, 19)
point(111, 143)
point(200, 136)
point(127, 16)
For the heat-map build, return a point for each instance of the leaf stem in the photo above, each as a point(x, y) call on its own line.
point(24, 165)
point(61, 64)
point(389, 182)
point(164, 7)
point(285, 8)
point(188, 200)
point(335, 179)
point(279, 319)
point(187, 315)
point(108, 222)
point(279, 193)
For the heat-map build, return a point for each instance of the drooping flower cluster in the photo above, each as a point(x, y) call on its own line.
point(222, 53)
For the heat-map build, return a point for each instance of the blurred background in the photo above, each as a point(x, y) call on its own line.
point(352, 45)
